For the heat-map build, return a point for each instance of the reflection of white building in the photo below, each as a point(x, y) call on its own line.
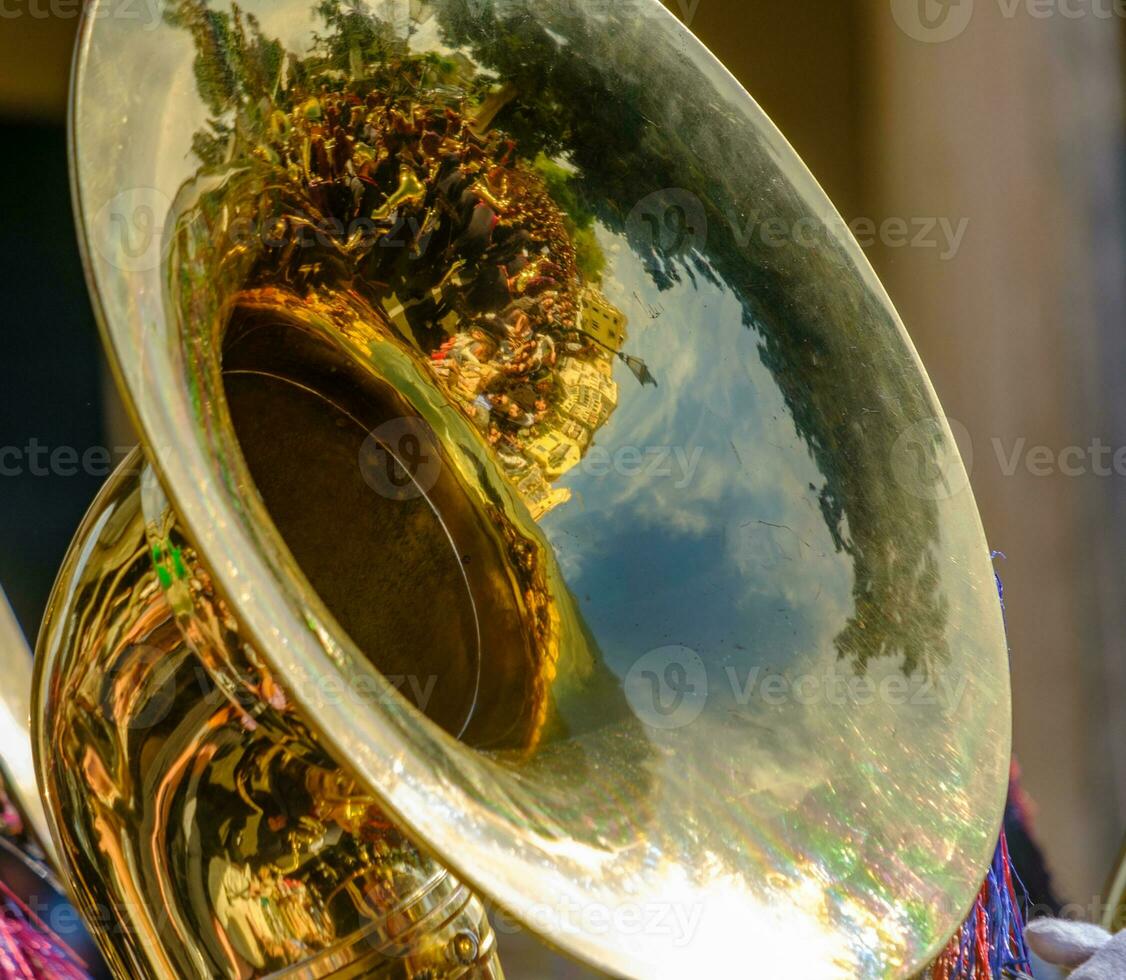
point(589, 396)
point(574, 372)
point(582, 401)
point(555, 453)
point(578, 433)
point(538, 495)
point(601, 319)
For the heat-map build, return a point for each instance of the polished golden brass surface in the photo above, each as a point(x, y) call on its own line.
point(1113, 917)
point(201, 842)
point(538, 491)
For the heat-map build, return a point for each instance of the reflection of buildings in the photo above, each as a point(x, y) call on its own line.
point(555, 453)
point(591, 395)
point(585, 398)
point(538, 495)
point(577, 395)
point(601, 320)
point(578, 433)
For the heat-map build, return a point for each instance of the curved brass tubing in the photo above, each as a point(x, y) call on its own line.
point(203, 843)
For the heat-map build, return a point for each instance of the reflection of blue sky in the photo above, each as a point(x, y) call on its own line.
point(735, 562)
point(738, 564)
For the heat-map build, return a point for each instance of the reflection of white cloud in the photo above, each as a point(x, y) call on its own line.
point(718, 404)
point(820, 794)
point(662, 506)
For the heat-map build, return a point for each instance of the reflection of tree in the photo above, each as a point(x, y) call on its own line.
point(851, 425)
point(634, 121)
point(629, 121)
point(578, 217)
point(235, 67)
point(354, 36)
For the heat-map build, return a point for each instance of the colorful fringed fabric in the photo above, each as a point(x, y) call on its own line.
point(29, 949)
point(990, 944)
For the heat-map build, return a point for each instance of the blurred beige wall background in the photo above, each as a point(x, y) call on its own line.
point(1012, 129)
point(1016, 126)
point(1006, 122)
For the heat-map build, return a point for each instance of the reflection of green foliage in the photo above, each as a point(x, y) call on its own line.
point(579, 217)
point(215, 65)
point(236, 68)
point(559, 185)
point(590, 102)
point(588, 254)
point(598, 102)
point(355, 37)
point(234, 64)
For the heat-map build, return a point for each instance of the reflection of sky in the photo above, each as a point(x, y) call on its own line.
point(729, 557)
point(737, 563)
point(293, 24)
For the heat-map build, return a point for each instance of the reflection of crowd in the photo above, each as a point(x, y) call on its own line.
point(304, 856)
point(270, 917)
point(464, 248)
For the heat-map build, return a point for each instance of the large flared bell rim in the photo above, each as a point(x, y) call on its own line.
point(416, 770)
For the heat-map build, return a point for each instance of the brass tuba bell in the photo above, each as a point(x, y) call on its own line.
point(539, 503)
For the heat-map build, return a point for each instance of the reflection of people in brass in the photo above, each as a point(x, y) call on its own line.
point(235, 911)
point(304, 855)
point(465, 250)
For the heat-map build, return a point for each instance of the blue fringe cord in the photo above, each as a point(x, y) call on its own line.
point(990, 944)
